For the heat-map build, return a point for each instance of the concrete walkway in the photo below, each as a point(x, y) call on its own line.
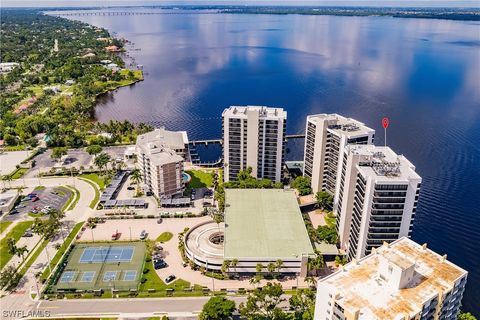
point(21, 299)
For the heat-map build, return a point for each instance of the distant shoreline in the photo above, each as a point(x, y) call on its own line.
point(461, 14)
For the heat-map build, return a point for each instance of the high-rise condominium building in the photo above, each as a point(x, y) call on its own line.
point(398, 281)
point(159, 161)
point(376, 198)
point(254, 137)
point(325, 138)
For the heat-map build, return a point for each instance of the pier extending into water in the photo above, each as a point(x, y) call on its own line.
point(220, 141)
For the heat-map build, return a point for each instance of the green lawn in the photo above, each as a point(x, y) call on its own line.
point(4, 225)
point(62, 250)
point(73, 199)
point(200, 179)
point(330, 219)
point(18, 173)
point(33, 257)
point(164, 237)
point(94, 202)
point(154, 282)
point(94, 177)
point(15, 233)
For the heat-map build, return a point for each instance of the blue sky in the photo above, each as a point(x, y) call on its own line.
point(81, 3)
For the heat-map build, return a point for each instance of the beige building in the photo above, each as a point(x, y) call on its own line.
point(376, 198)
point(325, 138)
point(160, 161)
point(398, 281)
point(254, 136)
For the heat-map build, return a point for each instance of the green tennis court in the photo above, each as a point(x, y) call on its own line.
point(103, 266)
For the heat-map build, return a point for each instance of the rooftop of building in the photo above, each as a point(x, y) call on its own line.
point(341, 125)
point(264, 223)
point(164, 156)
point(175, 140)
point(271, 112)
point(383, 164)
point(360, 288)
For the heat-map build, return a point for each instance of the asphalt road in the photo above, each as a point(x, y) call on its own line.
point(137, 307)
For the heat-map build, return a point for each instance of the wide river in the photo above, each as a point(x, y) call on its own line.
point(423, 74)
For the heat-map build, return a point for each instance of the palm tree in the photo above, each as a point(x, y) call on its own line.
point(279, 263)
point(225, 265)
point(271, 267)
point(311, 281)
point(217, 218)
point(234, 265)
point(20, 251)
point(259, 267)
point(255, 280)
point(102, 160)
point(136, 177)
point(12, 248)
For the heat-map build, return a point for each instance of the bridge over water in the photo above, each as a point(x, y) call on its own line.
point(114, 13)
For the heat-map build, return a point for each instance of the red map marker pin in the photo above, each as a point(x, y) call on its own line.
point(385, 123)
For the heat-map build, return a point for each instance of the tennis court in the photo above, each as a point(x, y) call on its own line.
point(96, 266)
point(107, 254)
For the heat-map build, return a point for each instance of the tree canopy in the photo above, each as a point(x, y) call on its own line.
point(303, 185)
point(264, 303)
point(217, 308)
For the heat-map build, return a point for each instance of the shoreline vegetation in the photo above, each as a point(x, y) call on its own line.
point(447, 13)
point(61, 67)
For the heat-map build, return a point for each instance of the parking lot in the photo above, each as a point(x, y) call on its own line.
point(53, 197)
point(75, 158)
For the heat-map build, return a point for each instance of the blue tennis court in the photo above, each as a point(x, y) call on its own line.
point(130, 275)
point(87, 276)
point(107, 254)
point(110, 276)
point(67, 276)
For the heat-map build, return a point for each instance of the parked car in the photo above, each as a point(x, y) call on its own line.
point(160, 220)
point(130, 188)
point(32, 195)
point(143, 235)
point(159, 264)
point(115, 235)
point(14, 211)
point(28, 233)
point(35, 199)
point(25, 199)
point(170, 278)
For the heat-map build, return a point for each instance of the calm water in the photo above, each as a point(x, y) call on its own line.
point(422, 74)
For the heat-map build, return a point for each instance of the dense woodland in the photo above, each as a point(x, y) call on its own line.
point(67, 116)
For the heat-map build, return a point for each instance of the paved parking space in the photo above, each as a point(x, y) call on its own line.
point(9, 160)
point(53, 197)
point(75, 158)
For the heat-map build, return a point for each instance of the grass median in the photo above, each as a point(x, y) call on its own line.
point(72, 200)
point(16, 233)
point(61, 251)
point(4, 225)
point(164, 237)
